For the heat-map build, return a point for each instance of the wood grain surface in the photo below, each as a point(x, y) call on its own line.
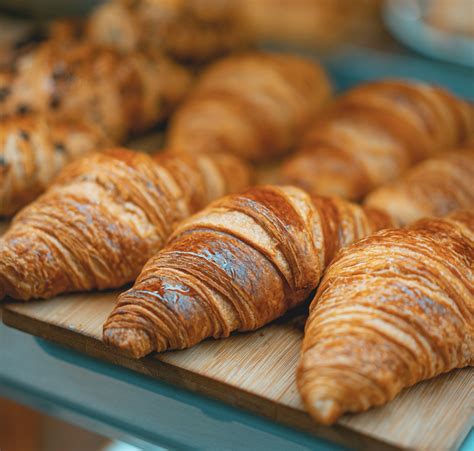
point(256, 371)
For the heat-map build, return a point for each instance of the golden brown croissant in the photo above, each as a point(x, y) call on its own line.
point(191, 30)
point(393, 309)
point(121, 93)
point(254, 105)
point(434, 187)
point(314, 23)
point(237, 265)
point(33, 149)
point(374, 133)
point(104, 216)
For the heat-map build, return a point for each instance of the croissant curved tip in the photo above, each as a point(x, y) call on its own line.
point(323, 410)
point(134, 342)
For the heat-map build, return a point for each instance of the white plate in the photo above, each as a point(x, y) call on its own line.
point(405, 20)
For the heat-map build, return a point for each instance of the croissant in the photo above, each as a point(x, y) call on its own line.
point(121, 93)
point(374, 133)
point(316, 24)
point(104, 216)
point(393, 309)
point(254, 105)
point(33, 149)
point(189, 30)
point(434, 187)
point(237, 265)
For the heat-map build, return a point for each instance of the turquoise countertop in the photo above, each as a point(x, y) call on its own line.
point(124, 405)
point(127, 406)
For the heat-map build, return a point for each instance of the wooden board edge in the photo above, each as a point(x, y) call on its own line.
point(188, 380)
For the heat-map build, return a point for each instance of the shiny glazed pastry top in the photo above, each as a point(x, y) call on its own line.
point(235, 266)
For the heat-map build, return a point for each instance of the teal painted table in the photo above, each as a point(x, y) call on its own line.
point(123, 405)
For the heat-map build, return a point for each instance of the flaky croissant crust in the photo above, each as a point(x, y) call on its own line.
point(255, 105)
point(434, 187)
point(237, 265)
point(122, 93)
point(33, 149)
point(191, 30)
point(103, 217)
point(393, 309)
point(374, 133)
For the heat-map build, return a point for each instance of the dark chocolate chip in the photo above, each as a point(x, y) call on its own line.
point(2, 161)
point(25, 135)
point(61, 73)
point(23, 109)
point(59, 147)
point(54, 102)
point(5, 91)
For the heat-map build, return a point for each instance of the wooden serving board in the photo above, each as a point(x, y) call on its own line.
point(256, 371)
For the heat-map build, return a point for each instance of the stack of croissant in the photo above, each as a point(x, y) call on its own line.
point(208, 252)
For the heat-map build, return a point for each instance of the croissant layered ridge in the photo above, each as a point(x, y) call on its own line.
point(255, 105)
point(434, 187)
point(33, 149)
point(374, 133)
point(391, 310)
point(103, 217)
point(235, 266)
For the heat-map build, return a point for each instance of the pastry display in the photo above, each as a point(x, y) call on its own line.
point(254, 105)
point(270, 196)
point(393, 309)
point(104, 216)
point(235, 266)
point(374, 133)
point(434, 187)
